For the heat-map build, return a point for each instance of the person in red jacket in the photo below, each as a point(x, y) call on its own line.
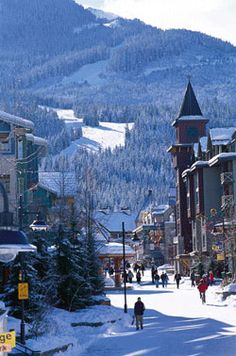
point(202, 287)
point(211, 278)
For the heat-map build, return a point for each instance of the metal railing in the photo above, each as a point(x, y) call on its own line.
point(24, 350)
point(226, 177)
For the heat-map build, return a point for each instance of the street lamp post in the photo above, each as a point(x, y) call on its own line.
point(124, 267)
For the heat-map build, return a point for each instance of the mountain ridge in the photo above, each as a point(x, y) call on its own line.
point(119, 71)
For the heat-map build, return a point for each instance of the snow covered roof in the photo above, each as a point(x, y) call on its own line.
point(191, 118)
point(199, 164)
point(222, 135)
point(36, 140)
point(160, 209)
point(225, 156)
point(59, 183)
point(16, 120)
point(115, 249)
point(113, 220)
point(185, 172)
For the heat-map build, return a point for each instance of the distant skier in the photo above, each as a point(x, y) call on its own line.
point(139, 309)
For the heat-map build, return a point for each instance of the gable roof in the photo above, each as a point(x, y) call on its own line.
point(16, 120)
point(222, 135)
point(59, 183)
point(113, 221)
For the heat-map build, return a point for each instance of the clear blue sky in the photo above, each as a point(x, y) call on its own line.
point(213, 17)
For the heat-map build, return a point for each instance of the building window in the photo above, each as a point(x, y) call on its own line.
point(5, 180)
point(20, 150)
point(204, 242)
point(5, 147)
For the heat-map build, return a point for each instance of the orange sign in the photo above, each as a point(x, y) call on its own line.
point(23, 291)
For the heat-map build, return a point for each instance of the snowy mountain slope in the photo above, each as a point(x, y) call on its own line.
point(107, 135)
point(102, 14)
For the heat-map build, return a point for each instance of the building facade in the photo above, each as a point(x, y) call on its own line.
point(19, 154)
point(189, 125)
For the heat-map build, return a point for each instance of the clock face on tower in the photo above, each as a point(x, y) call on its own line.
point(192, 132)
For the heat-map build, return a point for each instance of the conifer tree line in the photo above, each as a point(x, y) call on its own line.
point(65, 272)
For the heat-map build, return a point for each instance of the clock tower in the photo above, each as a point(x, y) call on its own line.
point(190, 125)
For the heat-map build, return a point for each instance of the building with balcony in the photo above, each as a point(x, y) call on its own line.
point(156, 231)
point(20, 151)
point(210, 190)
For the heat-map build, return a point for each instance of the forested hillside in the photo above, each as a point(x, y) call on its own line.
point(54, 53)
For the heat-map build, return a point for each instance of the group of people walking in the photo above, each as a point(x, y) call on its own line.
point(157, 279)
point(202, 285)
point(138, 269)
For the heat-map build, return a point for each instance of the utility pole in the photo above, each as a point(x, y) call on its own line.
point(124, 267)
point(21, 274)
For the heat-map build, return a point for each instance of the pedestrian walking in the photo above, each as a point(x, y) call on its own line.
point(153, 273)
point(139, 309)
point(202, 287)
point(177, 279)
point(157, 278)
point(130, 276)
point(163, 279)
point(138, 277)
point(166, 279)
point(211, 278)
point(192, 277)
point(142, 269)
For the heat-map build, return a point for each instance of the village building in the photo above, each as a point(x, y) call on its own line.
point(20, 151)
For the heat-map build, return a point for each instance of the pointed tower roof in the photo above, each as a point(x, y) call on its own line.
point(190, 105)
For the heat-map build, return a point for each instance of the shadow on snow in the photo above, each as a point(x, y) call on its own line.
point(170, 335)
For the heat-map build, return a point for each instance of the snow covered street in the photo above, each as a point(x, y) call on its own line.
point(175, 323)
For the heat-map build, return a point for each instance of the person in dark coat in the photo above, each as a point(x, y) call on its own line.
point(192, 276)
point(138, 312)
point(157, 278)
point(138, 276)
point(177, 279)
point(153, 272)
point(163, 277)
point(130, 276)
point(142, 268)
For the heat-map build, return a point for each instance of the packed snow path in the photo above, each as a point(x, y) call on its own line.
point(175, 323)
